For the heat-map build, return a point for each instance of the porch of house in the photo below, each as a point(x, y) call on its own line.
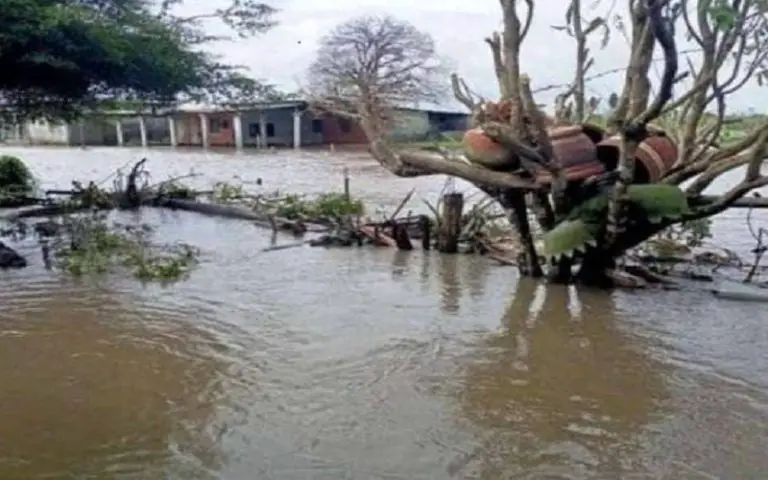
point(287, 124)
point(448, 122)
point(280, 126)
point(269, 125)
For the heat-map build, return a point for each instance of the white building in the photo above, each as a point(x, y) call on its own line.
point(40, 132)
point(43, 132)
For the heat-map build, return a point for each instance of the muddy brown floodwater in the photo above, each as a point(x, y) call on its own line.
point(363, 364)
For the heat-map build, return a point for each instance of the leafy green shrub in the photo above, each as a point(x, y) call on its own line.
point(327, 205)
point(15, 176)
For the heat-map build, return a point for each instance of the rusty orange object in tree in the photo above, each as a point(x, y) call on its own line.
point(654, 157)
point(481, 149)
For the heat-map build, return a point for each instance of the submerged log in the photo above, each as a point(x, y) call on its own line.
point(79, 204)
point(37, 211)
point(425, 227)
point(756, 295)
point(401, 237)
point(378, 238)
point(238, 212)
point(19, 201)
point(10, 258)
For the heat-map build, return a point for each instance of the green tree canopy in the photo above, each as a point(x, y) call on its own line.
point(58, 56)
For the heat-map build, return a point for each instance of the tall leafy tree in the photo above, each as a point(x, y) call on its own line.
point(60, 56)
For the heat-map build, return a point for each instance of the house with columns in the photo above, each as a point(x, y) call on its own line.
point(275, 124)
point(258, 125)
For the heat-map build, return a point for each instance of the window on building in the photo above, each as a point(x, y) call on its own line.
point(317, 125)
point(270, 130)
point(224, 123)
point(214, 125)
point(254, 130)
point(345, 125)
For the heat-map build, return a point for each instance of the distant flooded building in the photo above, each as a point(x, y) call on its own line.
point(261, 125)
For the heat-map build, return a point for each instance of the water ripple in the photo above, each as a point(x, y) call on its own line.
point(362, 363)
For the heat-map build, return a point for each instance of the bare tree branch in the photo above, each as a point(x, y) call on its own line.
point(515, 130)
point(373, 59)
point(634, 131)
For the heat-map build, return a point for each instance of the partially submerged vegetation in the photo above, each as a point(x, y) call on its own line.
point(17, 183)
point(80, 238)
point(582, 193)
point(93, 245)
point(596, 186)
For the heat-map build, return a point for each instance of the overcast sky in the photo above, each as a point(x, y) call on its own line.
point(283, 55)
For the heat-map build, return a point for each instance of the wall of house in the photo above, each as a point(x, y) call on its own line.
point(11, 132)
point(158, 130)
point(312, 128)
point(42, 132)
point(188, 132)
point(341, 131)
point(221, 132)
point(410, 125)
point(279, 128)
point(93, 131)
point(449, 122)
point(131, 131)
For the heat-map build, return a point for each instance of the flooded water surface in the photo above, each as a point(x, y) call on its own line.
point(362, 363)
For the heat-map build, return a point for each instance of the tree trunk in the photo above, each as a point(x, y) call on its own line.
point(450, 226)
point(514, 202)
point(594, 269)
point(599, 263)
point(561, 273)
point(425, 226)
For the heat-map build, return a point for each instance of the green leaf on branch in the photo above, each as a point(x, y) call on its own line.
point(723, 16)
point(654, 202)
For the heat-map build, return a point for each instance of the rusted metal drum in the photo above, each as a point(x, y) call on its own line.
point(655, 156)
point(482, 150)
point(576, 147)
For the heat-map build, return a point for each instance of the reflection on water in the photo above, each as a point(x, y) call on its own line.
point(363, 363)
point(452, 293)
point(560, 393)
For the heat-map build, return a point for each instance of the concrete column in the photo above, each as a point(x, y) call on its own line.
point(172, 131)
point(204, 129)
point(143, 132)
point(66, 131)
point(237, 126)
point(119, 131)
point(263, 130)
point(81, 126)
point(296, 129)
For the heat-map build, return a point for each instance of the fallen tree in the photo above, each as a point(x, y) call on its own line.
point(78, 237)
point(645, 172)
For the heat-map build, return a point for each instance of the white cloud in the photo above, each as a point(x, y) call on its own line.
point(283, 54)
